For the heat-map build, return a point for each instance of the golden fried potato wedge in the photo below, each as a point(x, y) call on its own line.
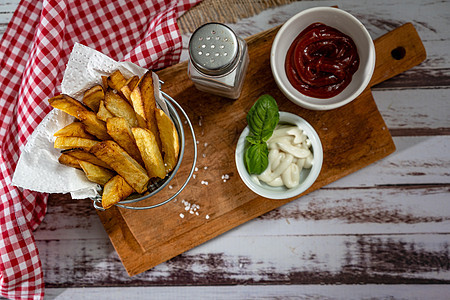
point(144, 103)
point(169, 139)
point(96, 173)
point(132, 82)
point(93, 125)
point(119, 129)
point(112, 154)
point(119, 107)
point(115, 190)
point(69, 161)
point(70, 142)
point(74, 129)
point(150, 152)
point(103, 114)
point(105, 82)
point(116, 80)
point(84, 155)
point(67, 104)
point(129, 86)
point(93, 96)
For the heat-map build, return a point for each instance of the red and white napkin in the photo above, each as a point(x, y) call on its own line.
point(34, 51)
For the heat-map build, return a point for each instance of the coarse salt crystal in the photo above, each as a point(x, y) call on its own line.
point(206, 168)
point(205, 144)
point(204, 155)
point(196, 169)
point(207, 217)
point(181, 216)
point(170, 187)
point(194, 176)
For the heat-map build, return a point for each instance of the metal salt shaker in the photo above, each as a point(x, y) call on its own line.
point(218, 60)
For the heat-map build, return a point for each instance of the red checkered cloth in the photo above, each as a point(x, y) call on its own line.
point(33, 53)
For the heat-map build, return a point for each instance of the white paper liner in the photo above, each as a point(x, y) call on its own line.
point(38, 168)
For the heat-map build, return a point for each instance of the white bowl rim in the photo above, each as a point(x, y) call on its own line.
point(309, 105)
point(280, 193)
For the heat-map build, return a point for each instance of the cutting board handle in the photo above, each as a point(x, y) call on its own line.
point(397, 51)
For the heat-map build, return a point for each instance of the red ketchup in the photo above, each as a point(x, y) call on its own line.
point(321, 61)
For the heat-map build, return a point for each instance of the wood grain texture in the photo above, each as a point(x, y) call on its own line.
point(151, 243)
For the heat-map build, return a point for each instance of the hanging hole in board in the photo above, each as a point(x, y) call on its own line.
point(398, 53)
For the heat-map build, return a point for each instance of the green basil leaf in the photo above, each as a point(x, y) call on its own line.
point(252, 139)
point(256, 158)
point(263, 117)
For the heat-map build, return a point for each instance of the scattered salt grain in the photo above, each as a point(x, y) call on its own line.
point(204, 155)
point(196, 169)
point(207, 217)
point(181, 216)
point(204, 182)
point(206, 168)
point(205, 144)
point(194, 176)
point(170, 187)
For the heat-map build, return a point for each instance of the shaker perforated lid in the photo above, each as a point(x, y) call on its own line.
point(214, 49)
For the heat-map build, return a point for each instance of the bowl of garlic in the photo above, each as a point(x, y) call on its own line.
point(285, 162)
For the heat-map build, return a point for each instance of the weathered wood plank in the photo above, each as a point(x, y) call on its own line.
point(414, 109)
point(231, 259)
point(329, 211)
point(418, 160)
point(339, 292)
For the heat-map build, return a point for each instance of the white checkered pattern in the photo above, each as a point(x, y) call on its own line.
point(33, 53)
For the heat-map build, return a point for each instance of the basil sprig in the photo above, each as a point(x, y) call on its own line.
point(262, 119)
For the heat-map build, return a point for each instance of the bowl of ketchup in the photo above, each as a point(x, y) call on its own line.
point(322, 58)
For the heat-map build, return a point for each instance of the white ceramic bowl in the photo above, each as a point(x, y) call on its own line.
point(342, 21)
point(307, 176)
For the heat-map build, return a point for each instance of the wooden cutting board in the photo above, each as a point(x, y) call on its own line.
point(216, 200)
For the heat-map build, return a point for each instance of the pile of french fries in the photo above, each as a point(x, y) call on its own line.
point(120, 138)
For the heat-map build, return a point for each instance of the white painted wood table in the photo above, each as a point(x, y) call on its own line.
point(382, 232)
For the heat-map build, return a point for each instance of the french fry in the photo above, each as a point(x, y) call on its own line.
point(74, 129)
point(105, 82)
point(112, 154)
point(119, 129)
point(70, 142)
point(129, 86)
point(96, 173)
point(84, 155)
point(150, 152)
point(93, 125)
point(132, 82)
point(144, 103)
point(103, 114)
point(93, 96)
point(116, 80)
point(119, 107)
point(169, 139)
point(69, 161)
point(115, 190)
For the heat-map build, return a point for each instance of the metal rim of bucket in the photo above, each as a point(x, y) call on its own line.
point(123, 204)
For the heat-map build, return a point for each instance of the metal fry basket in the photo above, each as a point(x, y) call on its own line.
point(157, 186)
